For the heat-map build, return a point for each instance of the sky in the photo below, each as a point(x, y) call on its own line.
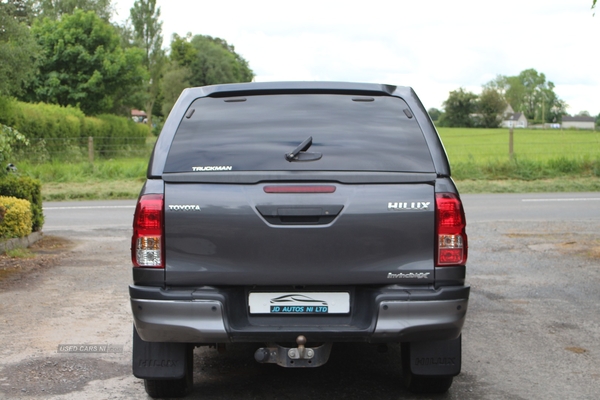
point(434, 46)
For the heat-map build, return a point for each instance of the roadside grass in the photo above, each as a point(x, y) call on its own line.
point(563, 184)
point(84, 172)
point(543, 161)
point(103, 180)
point(19, 253)
point(121, 189)
point(526, 169)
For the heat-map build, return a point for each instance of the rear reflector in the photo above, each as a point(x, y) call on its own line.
point(452, 238)
point(147, 241)
point(300, 189)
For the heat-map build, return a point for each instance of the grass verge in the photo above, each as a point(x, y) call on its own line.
point(562, 184)
point(92, 190)
point(129, 189)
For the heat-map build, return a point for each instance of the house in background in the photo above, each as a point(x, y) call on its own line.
point(138, 116)
point(514, 120)
point(578, 122)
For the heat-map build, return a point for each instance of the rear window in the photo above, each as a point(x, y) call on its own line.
point(254, 133)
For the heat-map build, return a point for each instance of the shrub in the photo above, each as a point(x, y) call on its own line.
point(26, 188)
point(62, 132)
point(120, 134)
point(9, 137)
point(7, 111)
point(17, 217)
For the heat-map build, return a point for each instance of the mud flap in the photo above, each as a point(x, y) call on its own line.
point(159, 360)
point(441, 358)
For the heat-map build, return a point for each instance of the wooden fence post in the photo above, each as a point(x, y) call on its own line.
point(510, 143)
point(91, 149)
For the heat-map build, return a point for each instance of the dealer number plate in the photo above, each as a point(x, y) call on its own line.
point(299, 303)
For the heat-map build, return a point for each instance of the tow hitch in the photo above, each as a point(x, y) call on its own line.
point(294, 357)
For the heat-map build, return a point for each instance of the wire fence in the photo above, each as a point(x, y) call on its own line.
point(461, 145)
point(42, 150)
point(486, 145)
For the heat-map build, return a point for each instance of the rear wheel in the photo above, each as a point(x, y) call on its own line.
point(427, 384)
point(419, 383)
point(157, 388)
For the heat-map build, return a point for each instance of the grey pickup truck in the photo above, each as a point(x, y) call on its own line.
point(294, 215)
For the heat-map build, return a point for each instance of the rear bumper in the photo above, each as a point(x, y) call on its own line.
point(208, 315)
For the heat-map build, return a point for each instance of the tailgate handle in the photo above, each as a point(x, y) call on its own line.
point(300, 215)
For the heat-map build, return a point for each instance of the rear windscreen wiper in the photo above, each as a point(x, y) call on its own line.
point(300, 154)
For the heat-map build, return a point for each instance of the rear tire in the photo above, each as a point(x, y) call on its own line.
point(158, 388)
point(427, 384)
point(419, 383)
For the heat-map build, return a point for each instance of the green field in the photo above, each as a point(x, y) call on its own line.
point(485, 145)
point(483, 155)
point(543, 161)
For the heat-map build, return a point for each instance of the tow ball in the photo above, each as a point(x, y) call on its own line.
point(294, 357)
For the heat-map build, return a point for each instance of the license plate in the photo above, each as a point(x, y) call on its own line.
point(299, 303)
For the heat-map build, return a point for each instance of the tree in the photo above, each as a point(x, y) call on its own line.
point(499, 84)
point(530, 93)
point(21, 10)
point(54, 9)
point(515, 93)
point(535, 93)
point(84, 65)
point(491, 104)
point(583, 114)
point(148, 33)
point(434, 114)
point(210, 60)
point(19, 52)
point(174, 81)
point(458, 109)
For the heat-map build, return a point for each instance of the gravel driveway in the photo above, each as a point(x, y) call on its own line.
point(532, 331)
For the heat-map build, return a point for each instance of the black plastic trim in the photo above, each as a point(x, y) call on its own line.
point(252, 177)
point(148, 276)
point(450, 276)
point(387, 293)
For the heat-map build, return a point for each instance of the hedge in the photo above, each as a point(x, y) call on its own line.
point(50, 121)
point(26, 188)
point(16, 222)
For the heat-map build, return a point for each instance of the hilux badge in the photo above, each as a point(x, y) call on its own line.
point(414, 205)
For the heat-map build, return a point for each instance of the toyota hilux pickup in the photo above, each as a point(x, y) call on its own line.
point(294, 215)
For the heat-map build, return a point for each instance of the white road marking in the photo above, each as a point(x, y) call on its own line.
point(573, 199)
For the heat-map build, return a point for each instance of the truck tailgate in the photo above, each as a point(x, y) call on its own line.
point(225, 234)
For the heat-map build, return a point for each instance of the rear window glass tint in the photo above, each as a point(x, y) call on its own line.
point(254, 133)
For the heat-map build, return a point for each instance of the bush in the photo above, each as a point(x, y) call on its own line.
point(17, 218)
point(7, 111)
point(9, 137)
point(62, 132)
point(120, 134)
point(26, 188)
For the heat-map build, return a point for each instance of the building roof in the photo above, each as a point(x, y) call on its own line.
point(138, 113)
point(514, 116)
point(568, 118)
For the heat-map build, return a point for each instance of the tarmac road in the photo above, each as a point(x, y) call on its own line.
point(532, 330)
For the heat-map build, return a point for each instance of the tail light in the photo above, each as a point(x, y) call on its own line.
point(147, 243)
point(452, 238)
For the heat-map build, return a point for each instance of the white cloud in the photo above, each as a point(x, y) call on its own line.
point(435, 46)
